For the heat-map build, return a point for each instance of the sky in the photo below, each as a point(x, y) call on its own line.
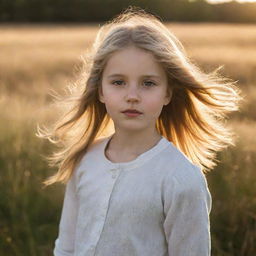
point(240, 1)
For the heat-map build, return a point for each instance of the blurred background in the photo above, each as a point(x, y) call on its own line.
point(41, 42)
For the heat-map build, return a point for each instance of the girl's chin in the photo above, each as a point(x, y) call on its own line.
point(135, 127)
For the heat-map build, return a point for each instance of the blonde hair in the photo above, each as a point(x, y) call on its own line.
point(194, 120)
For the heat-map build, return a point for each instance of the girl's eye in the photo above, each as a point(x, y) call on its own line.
point(145, 83)
point(149, 83)
point(118, 82)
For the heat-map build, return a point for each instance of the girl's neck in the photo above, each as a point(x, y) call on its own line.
point(123, 147)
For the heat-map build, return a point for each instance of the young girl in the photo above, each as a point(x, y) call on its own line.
point(140, 190)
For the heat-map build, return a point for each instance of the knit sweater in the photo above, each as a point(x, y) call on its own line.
point(157, 204)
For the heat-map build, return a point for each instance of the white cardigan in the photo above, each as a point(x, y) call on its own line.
point(155, 205)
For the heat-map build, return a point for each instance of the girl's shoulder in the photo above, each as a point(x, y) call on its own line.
point(97, 144)
point(96, 147)
point(92, 153)
point(184, 180)
point(181, 170)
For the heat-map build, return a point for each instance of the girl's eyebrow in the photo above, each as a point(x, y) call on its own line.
point(152, 76)
point(144, 76)
point(114, 75)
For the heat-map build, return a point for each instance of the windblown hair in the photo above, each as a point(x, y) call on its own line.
point(194, 120)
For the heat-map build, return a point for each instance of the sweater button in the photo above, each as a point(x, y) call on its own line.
point(114, 175)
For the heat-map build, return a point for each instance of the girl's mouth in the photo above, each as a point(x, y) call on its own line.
point(131, 113)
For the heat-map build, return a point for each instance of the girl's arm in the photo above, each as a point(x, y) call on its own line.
point(64, 244)
point(187, 205)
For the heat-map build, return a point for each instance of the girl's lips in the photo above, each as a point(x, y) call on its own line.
point(132, 111)
point(131, 114)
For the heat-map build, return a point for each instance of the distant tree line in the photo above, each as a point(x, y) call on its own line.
point(102, 10)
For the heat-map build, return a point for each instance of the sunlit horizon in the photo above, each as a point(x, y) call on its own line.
point(225, 1)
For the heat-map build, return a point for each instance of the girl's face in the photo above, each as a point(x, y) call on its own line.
point(132, 79)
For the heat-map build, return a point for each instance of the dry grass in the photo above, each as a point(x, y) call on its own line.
point(35, 59)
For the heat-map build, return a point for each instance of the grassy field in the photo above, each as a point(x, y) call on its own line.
point(36, 59)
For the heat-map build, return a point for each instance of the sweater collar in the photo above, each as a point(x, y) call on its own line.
point(138, 161)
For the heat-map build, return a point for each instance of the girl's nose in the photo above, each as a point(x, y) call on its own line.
point(132, 94)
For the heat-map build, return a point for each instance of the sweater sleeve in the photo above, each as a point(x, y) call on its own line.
point(64, 244)
point(187, 205)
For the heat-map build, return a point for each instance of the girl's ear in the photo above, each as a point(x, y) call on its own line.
point(168, 96)
point(100, 94)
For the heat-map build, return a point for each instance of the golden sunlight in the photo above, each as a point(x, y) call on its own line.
point(224, 1)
